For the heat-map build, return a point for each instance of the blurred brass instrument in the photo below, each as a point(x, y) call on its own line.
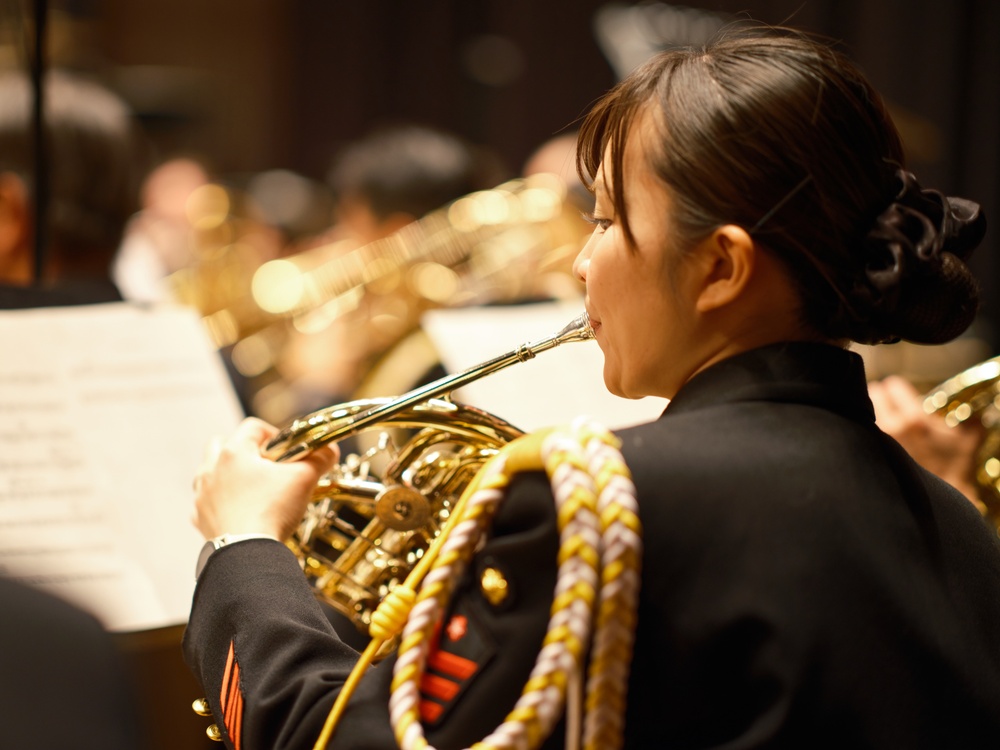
point(513, 242)
point(970, 397)
point(372, 518)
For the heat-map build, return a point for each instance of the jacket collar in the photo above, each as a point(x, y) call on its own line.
point(807, 373)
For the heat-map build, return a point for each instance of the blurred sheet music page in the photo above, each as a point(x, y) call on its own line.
point(553, 388)
point(105, 413)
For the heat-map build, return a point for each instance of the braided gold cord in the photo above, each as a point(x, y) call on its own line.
point(565, 642)
point(619, 598)
point(598, 569)
point(480, 501)
point(391, 616)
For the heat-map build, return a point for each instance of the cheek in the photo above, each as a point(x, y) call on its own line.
point(607, 267)
point(626, 287)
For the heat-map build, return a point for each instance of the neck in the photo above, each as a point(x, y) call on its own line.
point(767, 312)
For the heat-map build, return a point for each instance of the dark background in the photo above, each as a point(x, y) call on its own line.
point(249, 85)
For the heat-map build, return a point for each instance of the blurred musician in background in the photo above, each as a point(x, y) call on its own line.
point(63, 681)
point(397, 174)
point(557, 156)
point(381, 183)
point(159, 239)
point(805, 584)
point(95, 165)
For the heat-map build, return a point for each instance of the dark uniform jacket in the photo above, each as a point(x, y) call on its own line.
point(805, 585)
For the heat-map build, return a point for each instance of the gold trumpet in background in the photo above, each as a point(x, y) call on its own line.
point(973, 396)
point(513, 242)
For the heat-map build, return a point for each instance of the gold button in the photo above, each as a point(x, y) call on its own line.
point(494, 586)
point(201, 707)
point(213, 733)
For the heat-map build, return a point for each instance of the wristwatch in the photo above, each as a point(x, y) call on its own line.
point(221, 541)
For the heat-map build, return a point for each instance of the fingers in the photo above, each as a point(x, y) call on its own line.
point(897, 402)
point(255, 431)
point(901, 393)
point(240, 490)
point(323, 459)
point(208, 461)
point(250, 436)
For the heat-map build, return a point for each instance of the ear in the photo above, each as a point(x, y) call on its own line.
point(15, 229)
point(727, 258)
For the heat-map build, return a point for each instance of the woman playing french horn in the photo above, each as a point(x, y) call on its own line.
point(804, 583)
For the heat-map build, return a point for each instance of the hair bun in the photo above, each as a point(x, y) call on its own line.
point(967, 227)
point(915, 284)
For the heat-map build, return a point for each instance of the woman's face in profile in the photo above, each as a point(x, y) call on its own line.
point(636, 295)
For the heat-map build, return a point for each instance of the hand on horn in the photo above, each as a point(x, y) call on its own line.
point(949, 452)
point(239, 491)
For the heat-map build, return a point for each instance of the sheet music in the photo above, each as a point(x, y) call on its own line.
point(105, 411)
point(554, 388)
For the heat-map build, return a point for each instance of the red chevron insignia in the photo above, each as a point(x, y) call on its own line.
point(457, 651)
point(231, 698)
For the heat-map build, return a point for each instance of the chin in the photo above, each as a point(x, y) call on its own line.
point(633, 395)
point(616, 387)
point(633, 391)
point(614, 391)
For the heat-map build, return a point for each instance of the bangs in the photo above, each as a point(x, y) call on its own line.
point(605, 130)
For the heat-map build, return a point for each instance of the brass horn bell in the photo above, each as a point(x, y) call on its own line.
point(372, 518)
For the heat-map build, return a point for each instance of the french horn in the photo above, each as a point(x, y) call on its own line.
point(973, 397)
point(370, 520)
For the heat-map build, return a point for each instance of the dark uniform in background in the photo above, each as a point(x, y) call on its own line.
point(63, 682)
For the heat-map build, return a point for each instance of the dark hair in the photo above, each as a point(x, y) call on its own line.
point(95, 163)
point(777, 132)
point(410, 169)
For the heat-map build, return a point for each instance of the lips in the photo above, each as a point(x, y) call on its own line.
point(595, 324)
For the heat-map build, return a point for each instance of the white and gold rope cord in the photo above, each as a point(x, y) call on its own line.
point(599, 559)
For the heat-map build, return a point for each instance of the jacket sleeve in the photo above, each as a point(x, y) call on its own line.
point(272, 665)
point(262, 648)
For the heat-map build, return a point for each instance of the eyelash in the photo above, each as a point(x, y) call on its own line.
point(603, 224)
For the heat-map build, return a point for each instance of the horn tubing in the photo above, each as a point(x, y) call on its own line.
point(578, 329)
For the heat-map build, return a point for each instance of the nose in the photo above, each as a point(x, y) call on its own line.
point(582, 263)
